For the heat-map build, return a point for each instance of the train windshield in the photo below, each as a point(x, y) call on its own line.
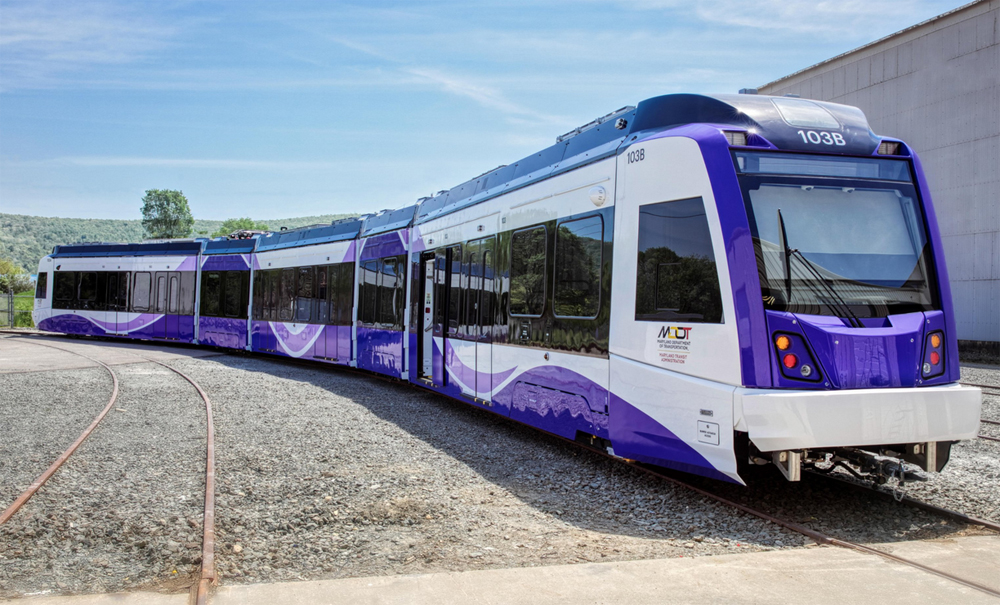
point(837, 236)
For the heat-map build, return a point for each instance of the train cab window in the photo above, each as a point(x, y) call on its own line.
point(42, 285)
point(676, 277)
point(579, 250)
point(211, 292)
point(140, 292)
point(527, 272)
point(64, 290)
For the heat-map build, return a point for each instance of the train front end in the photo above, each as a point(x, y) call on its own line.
point(858, 325)
point(834, 326)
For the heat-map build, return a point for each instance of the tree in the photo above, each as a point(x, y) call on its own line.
point(13, 278)
point(165, 214)
point(231, 225)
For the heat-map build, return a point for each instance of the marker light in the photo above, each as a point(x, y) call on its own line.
point(888, 148)
point(783, 342)
point(935, 358)
point(935, 341)
point(790, 361)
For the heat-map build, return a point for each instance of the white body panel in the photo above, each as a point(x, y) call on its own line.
point(320, 254)
point(673, 169)
point(787, 420)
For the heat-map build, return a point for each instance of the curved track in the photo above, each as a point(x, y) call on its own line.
point(40, 481)
point(207, 575)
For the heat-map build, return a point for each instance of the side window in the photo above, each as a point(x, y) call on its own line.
point(42, 285)
point(369, 291)
point(676, 277)
point(387, 292)
point(88, 290)
point(211, 292)
point(455, 291)
point(124, 279)
point(579, 251)
point(140, 292)
point(345, 295)
point(305, 295)
point(527, 272)
point(233, 293)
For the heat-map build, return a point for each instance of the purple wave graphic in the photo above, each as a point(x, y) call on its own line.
point(138, 323)
point(469, 377)
point(296, 344)
point(188, 264)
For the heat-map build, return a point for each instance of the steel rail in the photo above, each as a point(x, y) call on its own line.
point(208, 577)
point(44, 477)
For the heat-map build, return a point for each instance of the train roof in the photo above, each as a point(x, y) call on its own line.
point(388, 220)
point(776, 119)
point(230, 246)
point(344, 229)
point(174, 248)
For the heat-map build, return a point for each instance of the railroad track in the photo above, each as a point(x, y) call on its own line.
point(200, 591)
point(207, 576)
point(992, 390)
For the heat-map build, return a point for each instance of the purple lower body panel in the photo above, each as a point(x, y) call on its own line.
point(302, 341)
point(636, 436)
point(381, 351)
point(222, 332)
point(555, 400)
point(146, 326)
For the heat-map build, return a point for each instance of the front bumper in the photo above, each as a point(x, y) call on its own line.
point(791, 420)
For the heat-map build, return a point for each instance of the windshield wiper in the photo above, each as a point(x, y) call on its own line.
point(841, 306)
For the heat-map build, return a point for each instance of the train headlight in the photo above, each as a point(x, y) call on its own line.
point(927, 368)
point(806, 371)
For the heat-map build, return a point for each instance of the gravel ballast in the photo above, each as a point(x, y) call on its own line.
point(326, 473)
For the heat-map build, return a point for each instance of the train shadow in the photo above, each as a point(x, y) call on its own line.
point(593, 492)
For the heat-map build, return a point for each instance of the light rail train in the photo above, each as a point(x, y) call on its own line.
point(699, 282)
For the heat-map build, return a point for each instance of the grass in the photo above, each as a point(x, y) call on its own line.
point(23, 304)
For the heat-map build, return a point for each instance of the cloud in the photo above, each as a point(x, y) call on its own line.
point(39, 40)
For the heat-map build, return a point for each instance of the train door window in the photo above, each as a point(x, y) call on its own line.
point(471, 291)
point(258, 294)
point(306, 295)
point(488, 294)
point(174, 294)
point(124, 279)
point(286, 293)
point(140, 292)
point(676, 277)
point(322, 296)
point(579, 252)
point(399, 299)
point(387, 292)
point(64, 290)
point(42, 285)
point(187, 293)
point(112, 289)
point(455, 291)
point(527, 272)
point(345, 295)
point(161, 292)
point(88, 290)
point(211, 292)
point(233, 293)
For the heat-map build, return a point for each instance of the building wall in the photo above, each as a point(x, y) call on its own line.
point(937, 86)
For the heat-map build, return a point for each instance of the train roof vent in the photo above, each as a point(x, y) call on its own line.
point(596, 122)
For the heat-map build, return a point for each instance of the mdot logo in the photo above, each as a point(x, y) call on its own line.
point(675, 333)
point(672, 344)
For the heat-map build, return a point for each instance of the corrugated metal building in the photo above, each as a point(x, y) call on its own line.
point(936, 85)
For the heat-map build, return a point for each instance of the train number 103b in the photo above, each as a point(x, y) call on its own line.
point(824, 138)
point(636, 156)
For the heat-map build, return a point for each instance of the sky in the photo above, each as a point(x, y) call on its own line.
point(283, 109)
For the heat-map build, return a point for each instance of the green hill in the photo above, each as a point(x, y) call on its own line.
point(26, 239)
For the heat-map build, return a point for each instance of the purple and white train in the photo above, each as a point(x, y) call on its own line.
point(699, 283)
